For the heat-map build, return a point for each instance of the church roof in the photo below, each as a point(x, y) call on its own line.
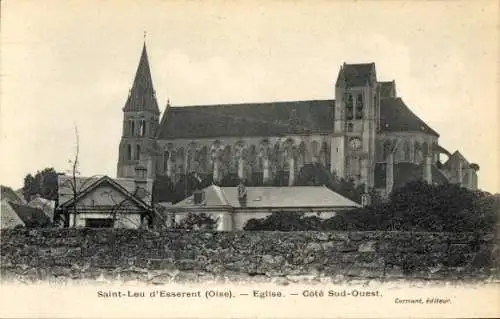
point(142, 95)
point(395, 116)
point(276, 119)
point(352, 75)
point(248, 119)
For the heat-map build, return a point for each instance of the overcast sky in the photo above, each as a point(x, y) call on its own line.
point(73, 62)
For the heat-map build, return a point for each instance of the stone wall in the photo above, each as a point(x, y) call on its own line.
point(120, 254)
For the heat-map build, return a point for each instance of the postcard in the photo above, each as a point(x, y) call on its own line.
point(249, 159)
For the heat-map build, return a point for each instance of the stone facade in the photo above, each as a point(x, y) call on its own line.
point(120, 254)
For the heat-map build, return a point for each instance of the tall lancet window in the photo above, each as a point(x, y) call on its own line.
point(349, 107)
point(129, 152)
point(359, 106)
point(142, 128)
point(132, 127)
point(137, 152)
point(166, 158)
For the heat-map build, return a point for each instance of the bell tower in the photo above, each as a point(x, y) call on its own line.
point(356, 113)
point(140, 122)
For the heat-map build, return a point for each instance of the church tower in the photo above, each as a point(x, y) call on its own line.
point(356, 117)
point(140, 123)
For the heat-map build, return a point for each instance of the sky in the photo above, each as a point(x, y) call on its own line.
point(67, 64)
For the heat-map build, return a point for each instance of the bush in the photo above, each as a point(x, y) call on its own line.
point(284, 221)
point(417, 206)
point(197, 221)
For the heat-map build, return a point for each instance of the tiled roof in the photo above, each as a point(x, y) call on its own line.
point(8, 216)
point(65, 189)
point(249, 119)
point(406, 172)
point(31, 216)
point(142, 94)
point(352, 75)
point(46, 205)
point(276, 197)
point(395, 116)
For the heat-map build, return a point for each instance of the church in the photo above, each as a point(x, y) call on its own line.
point(366, 133)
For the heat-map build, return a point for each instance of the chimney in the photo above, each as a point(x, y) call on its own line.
point(389, 173)
point(198, 197)
point(428, 169)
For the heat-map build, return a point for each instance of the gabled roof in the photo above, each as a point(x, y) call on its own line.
point(272, 197)
point(454, 158)
point(31, 216)
point(86, 185)
point(406, 172)
point(355, 75)
point(46, 205)
point(9, 194)
point(248, 119)
point(142, 95)
point(8, 216)
point(395, 116)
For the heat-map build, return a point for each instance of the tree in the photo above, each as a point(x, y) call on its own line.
point(43, 183)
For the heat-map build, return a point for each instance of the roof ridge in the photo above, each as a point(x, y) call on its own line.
point(250, 103)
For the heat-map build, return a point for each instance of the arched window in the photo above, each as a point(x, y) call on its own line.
point(137, 152)
point(180, 160)
point(132, 127)
point(166, 156)
point(190, 167)
point(202, 159)
point(142, 128)
point(349, 107)
point(315, 150)
point(418, 153)
point(324, 155)
point(406, 151)
point(350, 127)
point(301, 158)
point(359, 107)
point(129, 152)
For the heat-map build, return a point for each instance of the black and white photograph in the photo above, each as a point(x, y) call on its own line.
point(215, 159)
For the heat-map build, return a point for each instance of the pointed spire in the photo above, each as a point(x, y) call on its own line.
point(142, 94)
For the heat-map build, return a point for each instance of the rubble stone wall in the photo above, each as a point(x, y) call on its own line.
point(121, 254)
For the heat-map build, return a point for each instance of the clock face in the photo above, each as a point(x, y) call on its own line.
point(355, 143)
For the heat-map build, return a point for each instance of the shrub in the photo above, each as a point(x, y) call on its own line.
point(197, 221)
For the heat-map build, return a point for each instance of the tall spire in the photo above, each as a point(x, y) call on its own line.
point(142, 94)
